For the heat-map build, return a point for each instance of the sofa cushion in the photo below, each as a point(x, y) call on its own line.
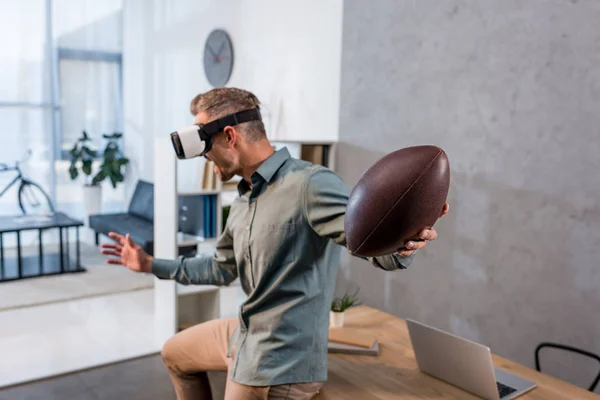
point(140, 230)
point(142, 201)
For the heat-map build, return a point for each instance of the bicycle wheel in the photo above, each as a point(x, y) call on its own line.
point(34, 200)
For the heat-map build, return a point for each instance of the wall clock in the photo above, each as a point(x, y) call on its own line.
point(218, 58)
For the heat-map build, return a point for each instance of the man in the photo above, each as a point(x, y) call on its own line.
point(280, 241)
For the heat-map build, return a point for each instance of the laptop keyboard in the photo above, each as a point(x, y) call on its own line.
point(504, 390)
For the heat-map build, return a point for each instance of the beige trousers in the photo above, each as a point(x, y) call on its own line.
point(193, 351)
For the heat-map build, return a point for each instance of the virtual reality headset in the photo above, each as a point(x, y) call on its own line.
point(196, 140)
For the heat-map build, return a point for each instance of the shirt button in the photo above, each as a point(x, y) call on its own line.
point(247, 227)
point(247, 256)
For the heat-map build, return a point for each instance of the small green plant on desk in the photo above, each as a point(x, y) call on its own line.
point(339, 305)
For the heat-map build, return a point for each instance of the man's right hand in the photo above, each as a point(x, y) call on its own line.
point(128, 253)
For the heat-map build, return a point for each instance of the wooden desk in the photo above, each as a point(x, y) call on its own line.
point(393, 374)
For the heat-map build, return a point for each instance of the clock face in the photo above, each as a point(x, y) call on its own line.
point(218, 58)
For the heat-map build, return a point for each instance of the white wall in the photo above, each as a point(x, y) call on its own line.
point(288, 54)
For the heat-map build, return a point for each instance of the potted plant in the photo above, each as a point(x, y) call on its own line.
point(338, 306)
point(83, 157)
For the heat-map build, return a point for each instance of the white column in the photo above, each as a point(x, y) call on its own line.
point(165, 235)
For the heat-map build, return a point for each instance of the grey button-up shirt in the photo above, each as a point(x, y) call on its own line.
point(282, 239)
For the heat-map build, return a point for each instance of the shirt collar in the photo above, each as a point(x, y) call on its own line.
point(267, 169)
point(272, 164)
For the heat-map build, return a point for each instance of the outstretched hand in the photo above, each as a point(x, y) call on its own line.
point(425, 235)
point(127, 253)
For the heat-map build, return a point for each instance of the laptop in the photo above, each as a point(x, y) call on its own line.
point(463, 363)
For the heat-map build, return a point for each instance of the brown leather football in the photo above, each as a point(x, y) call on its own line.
point(395, 199)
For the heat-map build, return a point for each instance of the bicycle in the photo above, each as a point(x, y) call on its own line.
point(30, 195)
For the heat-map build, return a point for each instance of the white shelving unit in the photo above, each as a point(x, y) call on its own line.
point(165, 237)
point(314, 150)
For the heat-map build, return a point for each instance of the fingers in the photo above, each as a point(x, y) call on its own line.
point(415, 245)
point(445, 209)
point(424, 236)
point(420, 242)
point(128, 240)
point(428, 234)
point(117, 237)
point(113, 246)
point(123, 240)
point(111, 253)
point(114, 261)
point(131, 243)
point(405, 253)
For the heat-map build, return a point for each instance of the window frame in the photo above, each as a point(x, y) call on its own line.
point(64, 53)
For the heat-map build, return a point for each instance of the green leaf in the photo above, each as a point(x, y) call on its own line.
point(109, 153)
point(341, 304)
point(88, 151)
point(114, 135)
point(87, 167)
point(113, 181)
point(74, 155)
point(73, 172)
point(100, 176)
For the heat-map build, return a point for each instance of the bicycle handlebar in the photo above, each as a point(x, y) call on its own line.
point(4, 168)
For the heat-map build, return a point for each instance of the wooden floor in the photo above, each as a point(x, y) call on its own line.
point(140, 379)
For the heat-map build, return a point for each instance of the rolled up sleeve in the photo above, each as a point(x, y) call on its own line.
point(325, 201)
point(217, 269)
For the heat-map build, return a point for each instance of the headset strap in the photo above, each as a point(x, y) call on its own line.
point(252, 114)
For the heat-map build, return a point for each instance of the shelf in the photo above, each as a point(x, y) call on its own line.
point(303, 142)
point(208, 241)
point(185, 239)
point(193, 289)
point(197, 192)
point(314, 151)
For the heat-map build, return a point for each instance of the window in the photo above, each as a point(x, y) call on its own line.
point(61, 75)
point(24, 53)
point(95, 107)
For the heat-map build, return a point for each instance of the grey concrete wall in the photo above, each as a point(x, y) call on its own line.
point(511, 90)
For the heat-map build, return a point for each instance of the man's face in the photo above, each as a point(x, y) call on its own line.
point(222, 152)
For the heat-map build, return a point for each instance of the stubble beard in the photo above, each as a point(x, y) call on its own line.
point(223, 176)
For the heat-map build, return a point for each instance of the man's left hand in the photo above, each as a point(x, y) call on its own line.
point(425, 235)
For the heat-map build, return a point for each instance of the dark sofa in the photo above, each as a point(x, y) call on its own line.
point(138, 221)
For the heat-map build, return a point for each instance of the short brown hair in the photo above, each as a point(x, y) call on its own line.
point(222, 101)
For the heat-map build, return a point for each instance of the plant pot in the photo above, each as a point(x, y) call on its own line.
point(92, 200)
point(336, 319)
